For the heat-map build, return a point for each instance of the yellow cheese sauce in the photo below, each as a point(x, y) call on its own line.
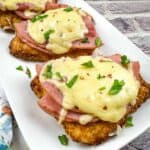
point(91, 94)
point(29, 13)
point(12, 4)
point(66, 26)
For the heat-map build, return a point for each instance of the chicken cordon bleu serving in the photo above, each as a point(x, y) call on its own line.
point(60, 31)
point(92, 97)
point(12, 11)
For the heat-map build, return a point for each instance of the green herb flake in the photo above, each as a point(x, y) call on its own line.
point(99, 76)
point(124, 60)
point(102, 88)
point(59, 75)
point(63, 139)
point(68, 9)
point(20, 68)
point(88, 64)
point(70, 83)
point(48, 73)
point(129, 122)
point(28, 72)
point(116, 87)
point(85, 40)
point(98, 42)
point(39, 17)
point(47, 34)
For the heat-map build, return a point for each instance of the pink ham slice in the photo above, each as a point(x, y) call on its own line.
point(134, 64)
point(51, 88)
point(26, 6)
point(21, 30)
point(39, 68)
point(55, 94)
point(54, 91)
point(49, 105)
point(52, 102)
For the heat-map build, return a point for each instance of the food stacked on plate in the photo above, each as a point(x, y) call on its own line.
point(92, 97)
point(60, 31)
point(12, 11)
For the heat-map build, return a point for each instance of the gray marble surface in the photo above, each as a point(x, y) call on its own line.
point(132, 18)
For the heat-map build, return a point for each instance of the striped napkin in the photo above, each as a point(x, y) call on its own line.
point(6, 128)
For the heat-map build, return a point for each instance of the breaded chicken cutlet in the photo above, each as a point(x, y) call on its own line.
point(74, 34)
point(7, 20)
point(93, 132)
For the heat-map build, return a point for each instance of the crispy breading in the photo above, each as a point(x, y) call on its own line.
point(21, 50)
point(95, 133)
point(7, 20)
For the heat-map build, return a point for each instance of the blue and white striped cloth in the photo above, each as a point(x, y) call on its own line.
point(6, 127)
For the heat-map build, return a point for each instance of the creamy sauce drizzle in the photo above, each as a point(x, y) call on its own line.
point(84, 119)
point(67, 27)
point(85, 93)
point(62, 115)
point(29, 13)
point(12, 4)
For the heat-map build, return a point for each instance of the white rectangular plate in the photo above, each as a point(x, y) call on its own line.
point(39, 129)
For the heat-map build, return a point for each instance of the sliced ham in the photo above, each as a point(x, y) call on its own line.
point(49, 105)
point(25, 6)
point(116, 58)
point(134, 64)
point(22, 7)
point(39, 68)
point(21, 30)
point(136, 69)
point(55, 94)
point(54, 91)
point(54, 6)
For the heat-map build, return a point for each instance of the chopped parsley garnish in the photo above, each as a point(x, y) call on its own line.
point(63, 139)
point(129, 122)
point(102, 88)
point(47, 33)
point(28, 72)
point(124, 60)
point(70, 83)
point(20, 68)
point(48, 73)
point(39, 17)
point(68, 9)
point(59, 75)
point(98, 42)
point(116, 87)
point(88, 64)
point(85, 40)
point(99, 76)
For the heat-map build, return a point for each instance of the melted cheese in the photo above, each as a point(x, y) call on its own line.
point(62, 115)
point(67, 26)
point(12, 4)
point(84, 119)
point(85, 93)
point(29, 13)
